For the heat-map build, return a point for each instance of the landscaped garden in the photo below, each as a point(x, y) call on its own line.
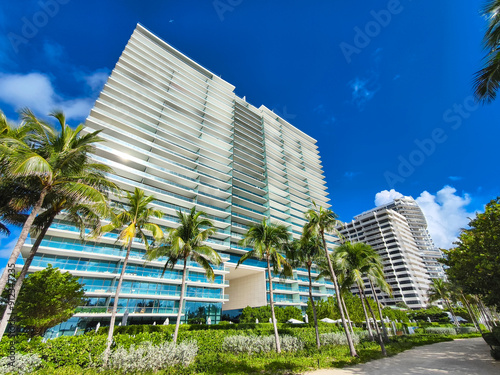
point(217, 349)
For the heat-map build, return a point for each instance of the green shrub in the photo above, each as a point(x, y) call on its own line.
point(20, 364)
point(260, 344)
point(463, 330)
point(148, 357)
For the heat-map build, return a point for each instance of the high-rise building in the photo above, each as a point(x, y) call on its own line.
point(179, 132)
point(398, 232)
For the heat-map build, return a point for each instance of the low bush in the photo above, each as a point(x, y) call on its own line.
point(462, 330)
point(440, 331)
point(149, 357)
point(20, 364)
point(260, 344)
point(336, 339)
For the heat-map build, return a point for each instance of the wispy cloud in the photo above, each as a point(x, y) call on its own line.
point(6, 248)
point(455, 178)
point(363, 89)
point(351, 175)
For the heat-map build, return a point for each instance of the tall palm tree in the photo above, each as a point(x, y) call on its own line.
point(356, 260)
point(38, 155)
point(268, 240)
point(304, 253)
point(440, 290)
point(81, 213)
point(487, 80)
point(185, 242)
point(132, 219)
point(375, 275)
point(321, 221)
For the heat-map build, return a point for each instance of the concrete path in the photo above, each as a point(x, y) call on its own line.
point(464, 356)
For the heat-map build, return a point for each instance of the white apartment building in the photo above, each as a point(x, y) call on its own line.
point(179, 132)
point(398, 232)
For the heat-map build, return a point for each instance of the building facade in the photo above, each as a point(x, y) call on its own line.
point(398, 232)
point(179, 132)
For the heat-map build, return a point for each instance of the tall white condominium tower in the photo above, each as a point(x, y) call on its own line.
point(179, 132)
point(398, 232)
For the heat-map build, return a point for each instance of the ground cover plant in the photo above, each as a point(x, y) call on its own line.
point(213, 348)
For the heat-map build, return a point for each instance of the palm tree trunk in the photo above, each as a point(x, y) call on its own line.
point(22, 276)
point(22, 239)
point(485, 314)
point(339, 298)
point(368, 325)
point(379, 334)
point(455, 321)
point(181, 302)
point(471, 314)
point(115, 307)
point(384, 328)
point(347, 315)
point(318, 344)
point(273, 317)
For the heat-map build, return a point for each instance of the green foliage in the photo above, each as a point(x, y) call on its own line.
point(329, 308)
point(441, 331)
point(474, 264)
point(394, 315)
point(263, 314)
point(47, 298)
point(434, 313)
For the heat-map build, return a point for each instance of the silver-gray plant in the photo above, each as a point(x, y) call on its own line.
point(441, 330)
point(20, 364)
point(149, 357)
point(260, 344)
point(337, 338)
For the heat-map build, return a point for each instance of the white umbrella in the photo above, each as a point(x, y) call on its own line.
point(209, 321)
point(166, 322)
point(256, 321)
point(328, 320)
point(97, 327)
point(154, 323)
point(306, 318)
point(294, 321)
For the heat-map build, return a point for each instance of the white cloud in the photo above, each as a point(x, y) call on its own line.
point(386, 196)
point(36, 91)
point(97, 79)
point(446, 214)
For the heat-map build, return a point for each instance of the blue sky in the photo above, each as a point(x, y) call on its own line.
point(385, 86)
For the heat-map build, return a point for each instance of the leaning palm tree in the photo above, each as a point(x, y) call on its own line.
point(321, 221)
point(304, 253)
point(268, 240)
point(82, 213)
point(38, 155)
point(132, 220)
point(440, 290)
point(185, 242)
point(356, 260)
point(487, 80)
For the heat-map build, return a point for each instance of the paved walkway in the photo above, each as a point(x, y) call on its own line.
point(464, 356)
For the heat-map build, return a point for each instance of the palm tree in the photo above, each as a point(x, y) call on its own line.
point(303, 253)
point(321, 221)
point(356, 260)
point(440, 290)
point(132, 219)
point(487, 80)
point(35, 154)
point(81, 213)
point(268, 240)
point(185, 242)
